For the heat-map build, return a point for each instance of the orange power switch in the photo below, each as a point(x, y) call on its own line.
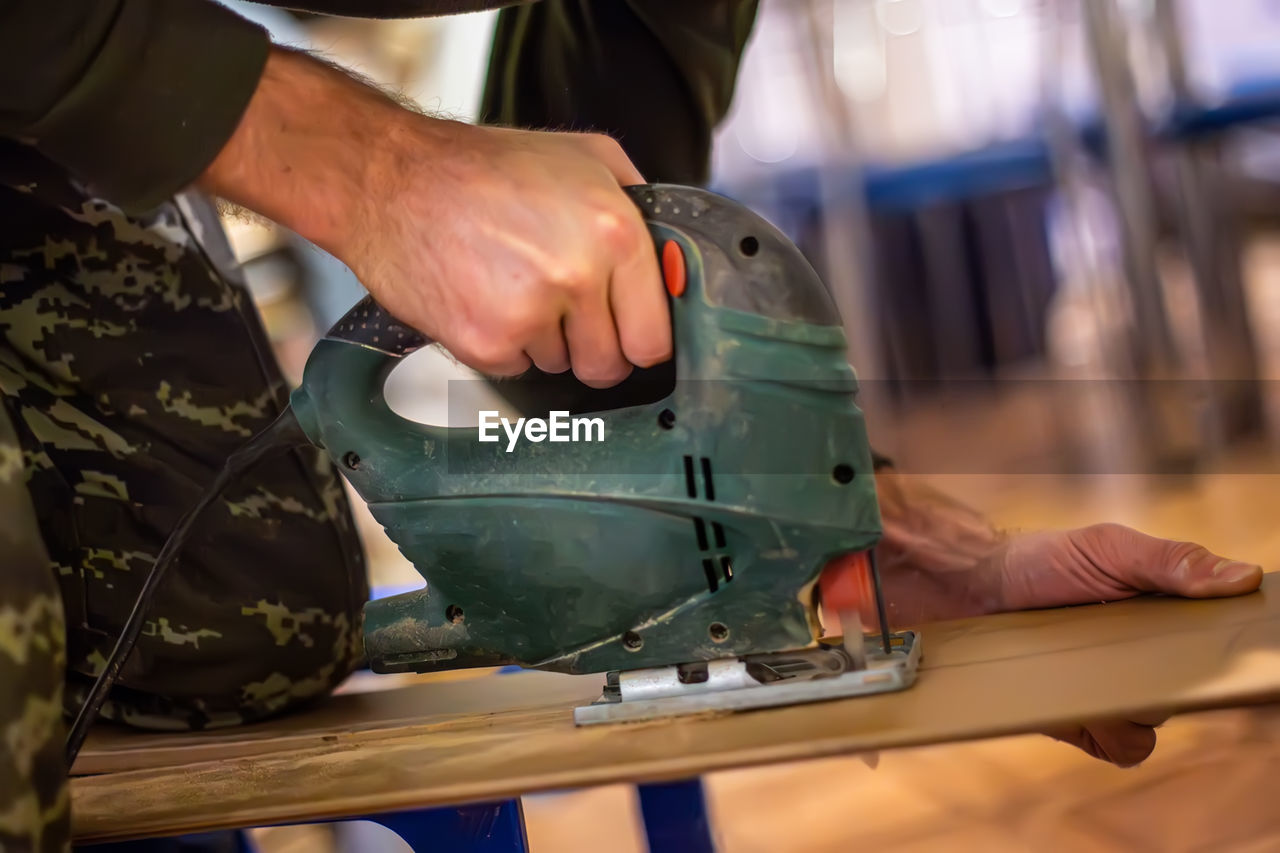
point(846, 585)
point(673, 267)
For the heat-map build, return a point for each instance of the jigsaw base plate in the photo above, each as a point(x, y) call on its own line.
point(884, 674)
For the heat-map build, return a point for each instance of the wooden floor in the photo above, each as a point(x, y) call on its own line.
point(1206, 788)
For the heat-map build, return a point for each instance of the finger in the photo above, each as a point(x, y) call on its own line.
point(639, 303)
point(594, 351)
point(549, 352)
point(1121, 742)
point(491, 360)
point(607, 150)
point(1162, 565)
point(513, 366)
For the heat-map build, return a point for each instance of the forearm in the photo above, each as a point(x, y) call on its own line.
point(509, 248)
point(314, 148)
point(935, 553)
point(922, 522)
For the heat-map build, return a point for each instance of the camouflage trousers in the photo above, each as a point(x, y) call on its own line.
point(131, 363)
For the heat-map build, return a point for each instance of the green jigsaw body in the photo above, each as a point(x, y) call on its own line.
point(696, 529)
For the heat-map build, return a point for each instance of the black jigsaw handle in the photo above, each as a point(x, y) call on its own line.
point(370, 325)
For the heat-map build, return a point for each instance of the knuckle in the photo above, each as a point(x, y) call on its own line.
point(485, 351)
point(648, 355)
point(1107, 531)
point(602, 374)
point(552, 363)
point(1107, 541)
point(562, 276)
point(508, 367)
point(602, 143)
point(621, 231)
point(646, 347)
point(610, 224)
point(573, 278)
point(1185, 552)
point(517, 320)
point(618, 230)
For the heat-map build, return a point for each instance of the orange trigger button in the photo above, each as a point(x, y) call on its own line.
point(673, 271)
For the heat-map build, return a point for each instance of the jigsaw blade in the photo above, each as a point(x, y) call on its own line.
point(854, 641)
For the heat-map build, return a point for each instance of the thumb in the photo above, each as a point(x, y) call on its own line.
point(1123, 743)
point(1150, 564)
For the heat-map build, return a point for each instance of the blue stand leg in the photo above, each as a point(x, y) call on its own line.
point(675, 817)
point(482, 828)
point(229, 841)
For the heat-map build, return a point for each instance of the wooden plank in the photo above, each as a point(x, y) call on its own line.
point(434, 744)
point(414, 703)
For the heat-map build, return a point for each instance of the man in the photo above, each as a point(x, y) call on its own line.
point(132, 363)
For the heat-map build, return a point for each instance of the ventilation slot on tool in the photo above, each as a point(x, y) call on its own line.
point(716, 565)
point(691, 479)
point(709, 569)
point(706, 477)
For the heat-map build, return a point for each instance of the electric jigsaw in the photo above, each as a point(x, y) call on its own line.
point(681, 553)
point(689, 553)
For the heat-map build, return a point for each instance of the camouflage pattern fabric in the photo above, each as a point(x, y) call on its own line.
point(34, 812)
point(132, 362)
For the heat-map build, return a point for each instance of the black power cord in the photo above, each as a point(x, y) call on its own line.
point(283, 434)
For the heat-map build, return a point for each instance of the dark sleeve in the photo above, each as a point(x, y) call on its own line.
point(132, 97)
point(392, 8)
point(656, 74)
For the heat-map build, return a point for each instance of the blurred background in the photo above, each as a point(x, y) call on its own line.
point(1053, 230)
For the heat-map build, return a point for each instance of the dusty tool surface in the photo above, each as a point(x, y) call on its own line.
point(690, 524)
point(465, 740)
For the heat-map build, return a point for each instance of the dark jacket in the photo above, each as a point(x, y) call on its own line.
point(136, 97)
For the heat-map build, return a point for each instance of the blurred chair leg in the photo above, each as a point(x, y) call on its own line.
point(1211, 233)
point(1164, 412)
point(675, 817)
